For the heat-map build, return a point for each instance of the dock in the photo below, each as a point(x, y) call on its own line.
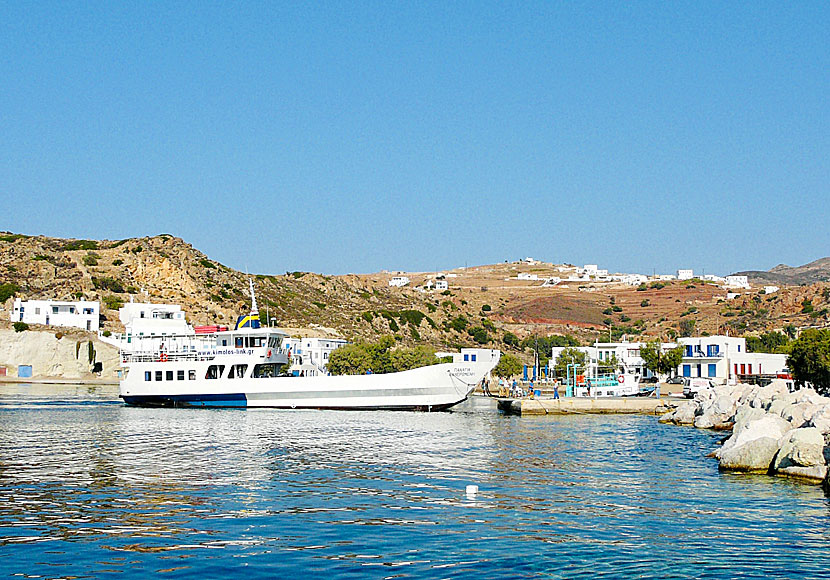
point(587, 406)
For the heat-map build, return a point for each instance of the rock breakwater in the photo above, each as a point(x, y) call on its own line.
point(774, 430)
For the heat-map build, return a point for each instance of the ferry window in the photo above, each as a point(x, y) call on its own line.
point(169, 375)
point(179, 375)
point(147, 375)
point(224, 342)
point(238, 342)
point(158, 375)
point(215, 371)
point(266, 370)
point(237, 371)
point(191, 375)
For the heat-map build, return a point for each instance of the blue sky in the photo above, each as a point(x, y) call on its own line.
point(359, 136)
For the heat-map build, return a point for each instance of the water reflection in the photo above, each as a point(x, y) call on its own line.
point(95, 487)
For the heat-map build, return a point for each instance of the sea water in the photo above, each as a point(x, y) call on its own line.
point(92, 488)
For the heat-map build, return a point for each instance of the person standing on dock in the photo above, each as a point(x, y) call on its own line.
point(556, 389)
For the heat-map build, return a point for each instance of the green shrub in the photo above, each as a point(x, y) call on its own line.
point(8, 290)
point(616, 308)
point(510, 339)
point(642, 287)
point(459, 323)
point(107, 333)
point(112, 302)
point(43, 258)
point(479, 334)
point(80, 245)
point(117, 262)
point(645, 303)
point(368, 317)
point(207, 263)
point(107, 283)
point(608, 312)
point(91, 259)
point(20, 326)
point(486, 308)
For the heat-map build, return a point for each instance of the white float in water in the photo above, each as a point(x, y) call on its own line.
point(472, 489)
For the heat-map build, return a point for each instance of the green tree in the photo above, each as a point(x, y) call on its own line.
point(509, 366)
point(510, 339)
point(20, 326)
point(767, 342)
point(609, 365)
point(479, 334)
point(378, 357)
point(658, 361)
point(569, 356)
point(809, 359)
point(686, 327)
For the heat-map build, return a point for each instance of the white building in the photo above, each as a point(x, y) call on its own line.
point(526, 276)
point(724, 359)
point(626, 353)
point(771, 289)
point(399, 281)
point(590, 269)
point(685, 274)
point(310, 356)
point(737, 282)
point(151, 325)
point(79, 314)
point(713, 278)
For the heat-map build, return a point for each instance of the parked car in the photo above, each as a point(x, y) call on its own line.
point(652, 379)
point(675, 381)
point(692, 386)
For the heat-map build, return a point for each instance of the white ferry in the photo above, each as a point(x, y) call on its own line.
point(247, 367)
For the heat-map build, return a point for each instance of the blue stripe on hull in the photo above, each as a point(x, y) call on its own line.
point(222, 400)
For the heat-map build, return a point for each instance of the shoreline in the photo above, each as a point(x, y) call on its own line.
point(59, 381)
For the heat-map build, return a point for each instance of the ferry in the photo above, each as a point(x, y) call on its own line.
point(248, 367)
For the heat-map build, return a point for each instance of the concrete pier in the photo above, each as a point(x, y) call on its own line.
point(587, 405)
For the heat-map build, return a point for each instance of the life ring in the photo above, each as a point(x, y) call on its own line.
point(163, 357)
point(621, 379)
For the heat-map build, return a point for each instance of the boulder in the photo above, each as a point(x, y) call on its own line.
point(801, 455)
point(753, 444)
point(821, 419)
point(717, 413)
point(683, 415)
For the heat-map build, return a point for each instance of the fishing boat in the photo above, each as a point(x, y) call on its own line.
point(248, 367)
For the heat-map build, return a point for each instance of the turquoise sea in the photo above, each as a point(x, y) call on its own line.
point(90, 488)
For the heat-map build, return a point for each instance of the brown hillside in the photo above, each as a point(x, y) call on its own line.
point(166, 269)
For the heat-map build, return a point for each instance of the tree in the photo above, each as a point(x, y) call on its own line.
point(686, 327)
point(809, 359)
point(569, 356)
point(609, 365)
point(510, 339)
point(658, 361)
point(767, 342)
point(508, 366)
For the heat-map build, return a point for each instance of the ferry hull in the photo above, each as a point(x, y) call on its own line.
point(430, 388)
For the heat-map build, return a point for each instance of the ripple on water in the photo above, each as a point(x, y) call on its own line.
point(93, 488)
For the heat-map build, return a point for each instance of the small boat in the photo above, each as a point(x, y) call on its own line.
point(622, 384)
point(247, 367)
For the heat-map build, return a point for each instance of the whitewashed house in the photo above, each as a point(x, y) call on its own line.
point(399, 281)
point(724, 359)
point(78, 314)
point(441, 285)
point(526, 276)
point(771, 289)
point(685, 274)
point(626, 353)
point(737, 282)
point(310, 356)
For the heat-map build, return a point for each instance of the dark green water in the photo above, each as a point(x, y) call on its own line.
point(90, 488)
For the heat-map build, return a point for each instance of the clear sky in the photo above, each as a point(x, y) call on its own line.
point(359, 136)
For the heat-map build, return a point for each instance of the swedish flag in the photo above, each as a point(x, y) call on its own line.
point(248, 321)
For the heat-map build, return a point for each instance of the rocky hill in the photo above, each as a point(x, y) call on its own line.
point(482, 306)
point(783, 275)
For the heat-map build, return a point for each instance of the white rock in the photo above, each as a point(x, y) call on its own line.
point(801, 454)
point(753, 443)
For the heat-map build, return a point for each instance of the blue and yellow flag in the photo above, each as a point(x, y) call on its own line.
point(248, 321)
